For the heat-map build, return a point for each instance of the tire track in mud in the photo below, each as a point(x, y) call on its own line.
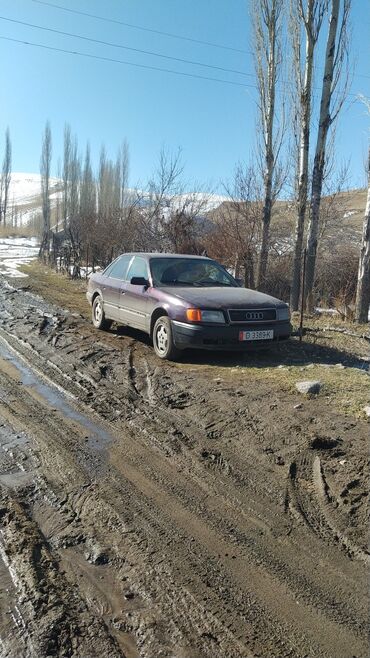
point(328, 512)
point(313, 504)
point(186, 470)
point(172, 532)
point(199, 612)
point(52, 619)
point(216, 461)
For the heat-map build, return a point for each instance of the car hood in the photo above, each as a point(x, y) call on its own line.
point(223, 297)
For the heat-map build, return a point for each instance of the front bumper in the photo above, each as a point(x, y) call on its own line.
point(89, 297)
point(225, 337)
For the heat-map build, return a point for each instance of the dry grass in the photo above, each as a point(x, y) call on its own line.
point(19, 232)
point(57, 288)
point(334, 359)
point(344, 388)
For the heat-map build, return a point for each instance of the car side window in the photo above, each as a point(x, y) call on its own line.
point(119, 268)
point(138, 267)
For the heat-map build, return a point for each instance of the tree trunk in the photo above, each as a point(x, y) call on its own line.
point(6, 177)
point(266, 18)
point(320, 152)
point(269, 155)
point(363, 279)
point(66, 173)
point(45, 192)
point(249, 270)
point(304, 144)
point(266, 221)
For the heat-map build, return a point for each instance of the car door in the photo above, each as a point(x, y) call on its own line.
point(134, 299)
point(114, 285)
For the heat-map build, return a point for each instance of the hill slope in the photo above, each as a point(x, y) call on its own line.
point(344, 218)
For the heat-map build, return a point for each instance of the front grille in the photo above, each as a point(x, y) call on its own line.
point(252, 315)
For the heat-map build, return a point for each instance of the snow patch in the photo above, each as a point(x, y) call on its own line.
point(326, 311)
point(15, 252)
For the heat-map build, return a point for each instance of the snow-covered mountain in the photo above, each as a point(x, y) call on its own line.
point(24, 200)
point(25, 188)
point(186, 201)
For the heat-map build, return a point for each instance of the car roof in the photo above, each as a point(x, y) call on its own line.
point(161, 255)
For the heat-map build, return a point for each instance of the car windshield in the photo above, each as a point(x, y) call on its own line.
point(194, 272)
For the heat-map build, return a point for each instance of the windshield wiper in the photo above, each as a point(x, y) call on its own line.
point(176, 282)
point(213, 284)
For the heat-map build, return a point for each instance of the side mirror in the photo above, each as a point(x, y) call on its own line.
point(139, 281)
point(240, 282)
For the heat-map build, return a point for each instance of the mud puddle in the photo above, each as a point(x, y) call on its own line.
point(97, 438)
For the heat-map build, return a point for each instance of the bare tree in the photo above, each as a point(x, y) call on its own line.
point(87, 188)
point(267, 18)
point(124, 164)
point(309, 14)
point(109, 187)
point(165, 184)
point(336, 57)
point(74, 218)
point(45, 162)
point(66, 172)
point(5, 177)
point(183, 227)
point(74, 182)
point(58, 207)
point(236, 235)
point(363, 277)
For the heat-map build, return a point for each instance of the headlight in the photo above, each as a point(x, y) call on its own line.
point(283, 313)
point(213, 316)
point(197, 315)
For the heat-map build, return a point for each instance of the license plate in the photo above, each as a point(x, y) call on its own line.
point(263, 334)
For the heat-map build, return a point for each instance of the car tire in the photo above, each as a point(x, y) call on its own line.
point(98, 316)
point(162, 336)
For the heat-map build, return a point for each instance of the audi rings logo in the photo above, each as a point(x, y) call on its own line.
point(254, 315)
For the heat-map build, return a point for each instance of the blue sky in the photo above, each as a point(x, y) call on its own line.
point(212, 122)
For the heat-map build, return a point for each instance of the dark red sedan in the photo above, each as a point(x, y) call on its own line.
point(185, 301)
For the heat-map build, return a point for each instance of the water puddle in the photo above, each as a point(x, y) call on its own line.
point(98, 438)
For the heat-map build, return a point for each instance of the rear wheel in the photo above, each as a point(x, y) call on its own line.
point(98, 316)
point(164, 346)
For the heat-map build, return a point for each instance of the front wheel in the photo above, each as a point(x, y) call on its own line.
point(164, 346)
point(98, 316)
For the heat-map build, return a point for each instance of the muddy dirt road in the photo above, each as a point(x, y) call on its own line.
point(172, 510)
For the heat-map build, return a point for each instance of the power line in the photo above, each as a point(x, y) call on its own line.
point(141, 66)
point(118, 45)
point(138, 50)
point(144, 29)
point(167, 34)
point(121, 61)
point(153, 31)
